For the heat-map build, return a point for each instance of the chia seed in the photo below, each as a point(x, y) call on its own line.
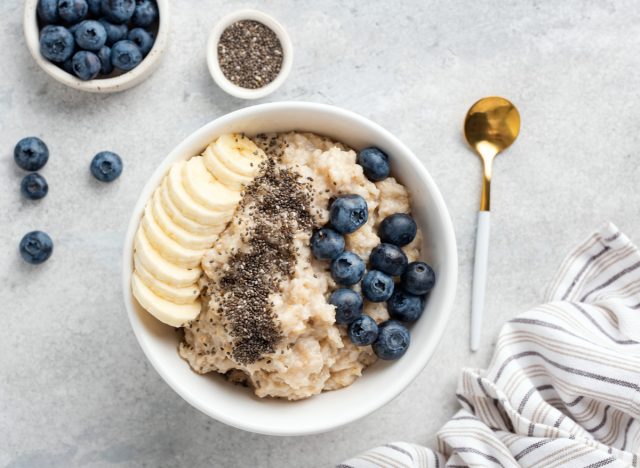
point(250, 54)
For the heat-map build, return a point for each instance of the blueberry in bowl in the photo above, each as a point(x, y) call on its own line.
point(347, 269)
point(56, 30)
point(377, 286)
point(393, 340)
point(348, 304)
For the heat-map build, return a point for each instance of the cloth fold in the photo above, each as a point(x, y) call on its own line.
point(563, 386)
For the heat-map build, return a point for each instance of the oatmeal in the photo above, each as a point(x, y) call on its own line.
point(265, 318)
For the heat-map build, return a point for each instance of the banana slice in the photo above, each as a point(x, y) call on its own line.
point(161, 268)
point(167, 312)
point(239, 154)
point(188, 206)
point(186, 223)
point(165, 245)
point(231, 179)
point(206, 189)
point(175, 231)
point(177, 295)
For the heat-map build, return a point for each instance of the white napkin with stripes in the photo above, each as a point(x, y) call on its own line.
point(563, 387)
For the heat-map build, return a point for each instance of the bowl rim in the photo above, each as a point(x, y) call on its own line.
point(104, 85)
point(416, 366)
point(212, 53)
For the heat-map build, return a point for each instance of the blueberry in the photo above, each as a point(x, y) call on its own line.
point(375, 164)
point(34, 186)
point(31, 154)
point(90, 35)
point(94, 7)
point(86, 65)
point(389, 259)
point(393, 340)
point(348, 304)
point(56, 43)
point(377, 286)
point(363, 331)
point(404, 306)
point(418, 279)
point(48, 11)
point(106, 166)
point(145, 14)
point(326, 244)
point(104, 54)
point(398, 229)
point(73, 11)
point(142, 39)
point(118, 11)
point(347, 268)
point(67, 66)
point(125, 55)
point(348, 213)
point(115, 32)
point(36, 247)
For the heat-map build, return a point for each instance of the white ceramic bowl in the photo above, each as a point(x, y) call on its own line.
point(214, 65)
point(237, 406)
point(99, 85)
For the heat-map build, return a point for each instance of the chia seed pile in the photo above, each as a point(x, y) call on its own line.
point(279, 206)
point(250, 54)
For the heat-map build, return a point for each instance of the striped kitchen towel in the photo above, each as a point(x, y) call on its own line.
point(563, 387)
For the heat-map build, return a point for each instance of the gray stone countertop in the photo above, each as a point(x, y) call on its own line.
point(75, 388)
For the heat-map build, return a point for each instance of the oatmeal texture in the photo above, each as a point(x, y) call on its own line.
point(312, 354)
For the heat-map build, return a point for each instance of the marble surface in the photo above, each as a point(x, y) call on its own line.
point(76, 389)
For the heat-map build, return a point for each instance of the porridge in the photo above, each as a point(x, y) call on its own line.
point(273, 288)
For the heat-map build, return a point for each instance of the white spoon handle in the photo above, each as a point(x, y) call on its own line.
point(479, 277)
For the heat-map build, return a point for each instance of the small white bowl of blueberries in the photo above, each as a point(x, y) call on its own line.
point(99, 46)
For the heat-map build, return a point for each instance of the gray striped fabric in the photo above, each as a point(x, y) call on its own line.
point(563, 387)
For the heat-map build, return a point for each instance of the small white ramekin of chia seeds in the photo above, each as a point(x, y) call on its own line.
point(249, 54)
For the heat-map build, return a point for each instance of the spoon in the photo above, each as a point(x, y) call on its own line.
point(491, 126)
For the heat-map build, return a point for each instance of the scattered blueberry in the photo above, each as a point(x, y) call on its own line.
point(404, 306)
point(34, 186)
point(125, 55)
point(86, 65)
point(375, 164)
point(389, 259)
point(347, 268)
point(31, 154)
point(118, 11)
point(104, 54)
point(90, 35)
point(377, 286)
point(36, 247)
point(142, 39)
point(94, 7)
point(106, 166)
point(56, 43)
point(393, 340)
point(348, 213)
point(418, 279)
point(115, 32)
point(145, 14)
point(72, 11)
point(48, 11)
point(326, 244)
point(348, 304)
point(363, 331)
point(398, 229)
